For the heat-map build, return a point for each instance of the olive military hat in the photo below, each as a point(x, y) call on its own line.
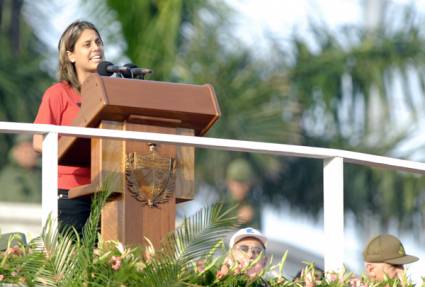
point(387, 248)
point(240, 170)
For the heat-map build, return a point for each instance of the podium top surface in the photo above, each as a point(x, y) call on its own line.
point(139, 101)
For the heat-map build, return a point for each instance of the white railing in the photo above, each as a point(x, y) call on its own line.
point(333, 180)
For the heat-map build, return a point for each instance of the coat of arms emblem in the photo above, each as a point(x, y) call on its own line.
point(150, 177)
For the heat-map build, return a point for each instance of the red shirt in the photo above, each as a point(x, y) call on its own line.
point(59, 106)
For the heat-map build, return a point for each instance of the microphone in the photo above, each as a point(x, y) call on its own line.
point(128, 73)
point(129, 70)
point(136, 72)
point(106, 68)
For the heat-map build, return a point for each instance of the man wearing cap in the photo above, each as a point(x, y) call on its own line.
point(246, 245)
point(241, 191)
point(384, 255)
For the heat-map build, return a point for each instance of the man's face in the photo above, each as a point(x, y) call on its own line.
point(248, 249)
point(238, 189)
point(377, 271)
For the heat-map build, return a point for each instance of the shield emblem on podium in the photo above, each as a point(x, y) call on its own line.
point(150, 177)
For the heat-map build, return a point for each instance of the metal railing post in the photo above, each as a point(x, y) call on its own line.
point(333, 209)
point(49, 201)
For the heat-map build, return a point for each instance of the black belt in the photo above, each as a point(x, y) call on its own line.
point(63, 193)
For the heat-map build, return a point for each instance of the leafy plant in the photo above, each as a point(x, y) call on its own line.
point(63, 259)
point(58, 260)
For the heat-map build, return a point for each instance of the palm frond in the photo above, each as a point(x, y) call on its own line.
point(192, 240)
point(199, 232)
point(58, 251)
point(161, 273)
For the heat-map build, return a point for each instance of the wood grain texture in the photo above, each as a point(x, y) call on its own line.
point(185, 174)
point(108, 168)
point(115, 99)
point(154, 223)
point(124, 218)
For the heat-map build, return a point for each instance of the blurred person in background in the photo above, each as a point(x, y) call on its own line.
point(21, 178)
point(240, 183)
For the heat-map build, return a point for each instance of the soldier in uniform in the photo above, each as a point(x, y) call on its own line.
point(384, 256)
point(21, 178)
point(240, 184)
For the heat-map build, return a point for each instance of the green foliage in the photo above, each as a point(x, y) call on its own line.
point(188, 257)
point(154, 30)
point(114, 265)
point(21, 80)
point(62, 259)
point(251, 93)
point(204, 228)
point(360, 116)
point(370, 62)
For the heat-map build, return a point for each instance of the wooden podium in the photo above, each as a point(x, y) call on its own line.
point(138, 105)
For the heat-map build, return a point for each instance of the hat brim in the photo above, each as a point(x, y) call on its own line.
point(402, 260)
point(260, 238)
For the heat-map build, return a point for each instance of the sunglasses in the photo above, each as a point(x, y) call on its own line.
point(254, 249)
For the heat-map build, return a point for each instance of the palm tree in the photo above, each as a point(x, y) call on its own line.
point(153, 30)
point(21, 80)
point(253, 98)
point(346, 89)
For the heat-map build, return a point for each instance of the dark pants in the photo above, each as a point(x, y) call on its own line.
point(73, 212)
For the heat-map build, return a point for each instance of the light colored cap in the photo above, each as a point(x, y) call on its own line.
point(247, 232)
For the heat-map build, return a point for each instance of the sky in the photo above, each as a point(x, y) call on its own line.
point(283, 17)
point(257, 20)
